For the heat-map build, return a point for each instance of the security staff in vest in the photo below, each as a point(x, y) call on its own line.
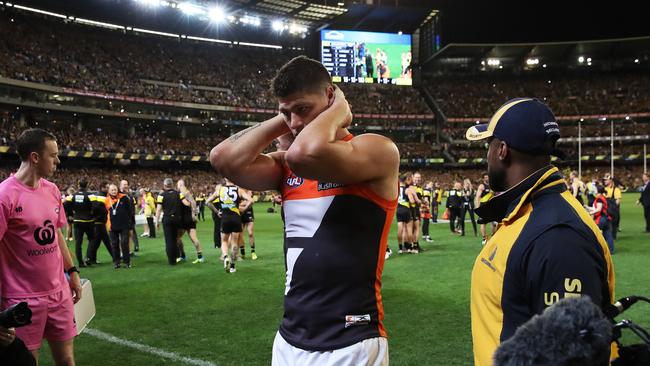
point(81, 206)
point(169, 203)
point(546, 246)
point(214, 204)
point(100, 215)
point(455, 204)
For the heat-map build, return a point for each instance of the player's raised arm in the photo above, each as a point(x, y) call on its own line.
point(317, 153)
point(240, 157)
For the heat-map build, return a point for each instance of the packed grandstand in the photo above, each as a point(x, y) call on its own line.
point(150, 98)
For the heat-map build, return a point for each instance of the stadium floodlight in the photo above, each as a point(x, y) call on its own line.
point(150, 3)
point(532, 61)
point(277, 25)
point(190, 9)
point(493, 62)
point(399, 33)
point(247, 19)
point(588, 59)
point(544, 65)
point(217, 14)
point(296, 28)
point(636, 60)
point(581, 59)
point(627, 118)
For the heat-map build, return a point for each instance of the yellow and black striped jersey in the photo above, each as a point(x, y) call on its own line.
point(403, 197)
point(230, 199)
point(419, 192)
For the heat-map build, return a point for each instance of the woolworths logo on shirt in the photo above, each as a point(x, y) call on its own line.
point(39, 252)
point(45, 235)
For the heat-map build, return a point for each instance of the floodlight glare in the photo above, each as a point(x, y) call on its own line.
point(150, 3)
point(190, 9)
point(217, 14)
point(277, 25)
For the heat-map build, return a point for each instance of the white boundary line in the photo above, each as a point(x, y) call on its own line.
point(146, 349)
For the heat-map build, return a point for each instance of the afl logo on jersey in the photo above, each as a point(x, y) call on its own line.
point(294, 181)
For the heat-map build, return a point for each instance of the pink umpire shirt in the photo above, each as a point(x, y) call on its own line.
point(31, 264)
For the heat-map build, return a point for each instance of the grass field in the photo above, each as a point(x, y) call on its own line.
point(200, 312)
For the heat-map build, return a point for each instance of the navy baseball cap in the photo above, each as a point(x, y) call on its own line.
point(525, 124)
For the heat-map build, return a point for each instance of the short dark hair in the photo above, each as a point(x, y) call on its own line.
point(301, 74)
point(83, 184)
point(32, 140)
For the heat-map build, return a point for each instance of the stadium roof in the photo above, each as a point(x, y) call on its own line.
point(389, 16)
point(554, 53)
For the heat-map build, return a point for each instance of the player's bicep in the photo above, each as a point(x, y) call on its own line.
point(265, 173)
point(564, 263)
point(361, 159)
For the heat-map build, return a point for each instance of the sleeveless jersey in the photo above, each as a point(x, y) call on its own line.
point(229, 198)
point(403, 197)
point(335, 244)
point(486, 194)
point(419, 192)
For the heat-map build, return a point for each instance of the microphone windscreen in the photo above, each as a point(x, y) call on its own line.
point(572, 332)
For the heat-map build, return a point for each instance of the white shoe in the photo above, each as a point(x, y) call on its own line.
point(388, 254)
point(232, 270)
point(400, 251)
point(226, 263)
point(428, 239)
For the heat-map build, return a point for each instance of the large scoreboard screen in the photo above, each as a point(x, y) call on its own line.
point(367, 57)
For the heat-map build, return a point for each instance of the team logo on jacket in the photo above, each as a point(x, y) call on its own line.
point(293, 181)
point(45, 235)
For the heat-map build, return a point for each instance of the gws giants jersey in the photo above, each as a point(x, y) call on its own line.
point(335, 243)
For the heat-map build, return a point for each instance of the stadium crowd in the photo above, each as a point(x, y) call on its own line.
point(456, 130)
point(204, 180)
point(151, 139)
point(52, 52)
point(476, 96)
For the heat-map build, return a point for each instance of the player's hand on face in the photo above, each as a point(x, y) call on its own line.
point(7, 336)
point(285, 141)
point(341, 102)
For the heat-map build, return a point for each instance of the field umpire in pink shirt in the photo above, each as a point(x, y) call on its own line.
point(33, 254)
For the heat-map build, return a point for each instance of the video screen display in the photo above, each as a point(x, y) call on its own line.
point(367, 57)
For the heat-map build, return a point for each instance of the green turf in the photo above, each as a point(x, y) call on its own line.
point(201, 312)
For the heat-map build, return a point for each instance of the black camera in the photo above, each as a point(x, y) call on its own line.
point(635, 354)
point(16, 316)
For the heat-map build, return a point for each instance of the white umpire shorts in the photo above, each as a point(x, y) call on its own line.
point(369, 352)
